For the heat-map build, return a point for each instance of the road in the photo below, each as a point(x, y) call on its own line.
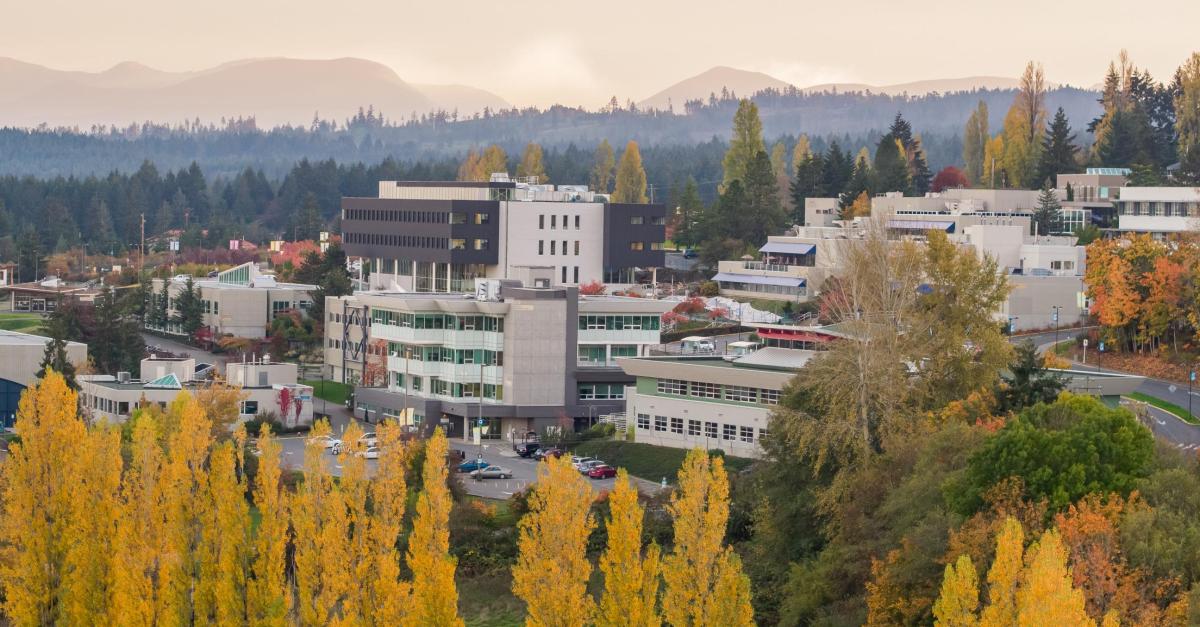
point(179, 348)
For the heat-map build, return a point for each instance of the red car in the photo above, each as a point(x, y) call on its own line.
point(603, 471)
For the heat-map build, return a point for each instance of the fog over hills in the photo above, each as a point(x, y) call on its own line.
point(275, 91)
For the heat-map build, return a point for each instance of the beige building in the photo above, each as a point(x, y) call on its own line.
point(20, 359)
point(266, 387)
point(241, 301)
point(790, 267)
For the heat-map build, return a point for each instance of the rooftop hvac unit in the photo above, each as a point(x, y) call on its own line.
point(122, 377)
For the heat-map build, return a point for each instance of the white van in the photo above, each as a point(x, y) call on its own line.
point(698, 344)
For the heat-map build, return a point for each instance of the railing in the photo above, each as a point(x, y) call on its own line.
point(769, 267)
point(617, 420)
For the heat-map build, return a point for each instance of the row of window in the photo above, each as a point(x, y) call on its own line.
point(554, 222)
point(211, 306)
point(593, 354)
point(639, 246)
point(421, 217)
point(446, 355)
point(1157, 208)
point(697, 428)
point(601, 391)
point(700, 389)
point(763, 289)
point(407, 241)
point(655, 220)
point(441, 387)
point(438, 321)
point(619, 323)
point(459, 243)
point(554, 247)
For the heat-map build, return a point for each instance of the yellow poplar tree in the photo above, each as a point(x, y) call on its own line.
point(959, 598)
point(268, 600)
point(360, 554)
point(1004, 576)
point(434, 594)
point(1046, 596)
point(532, 165)
point(226, 538)
point(40, 477)
point(493, 160)
point(552, 568)
point(700, 507)
point(801, 152)
point(319, 519)
point(138, 541)
point(729, 604)
point(87, 590)
point(630, 581)
point(389, 498)
point(469, 168)
point(631, 178)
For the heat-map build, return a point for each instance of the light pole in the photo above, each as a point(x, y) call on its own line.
point(1056, 309)
point(1191, 378)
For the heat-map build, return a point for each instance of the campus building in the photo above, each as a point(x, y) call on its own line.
point(20, 359)
point(1093, 192)
point(43, 296)
point(267, 388)
point(441, 236)
point(516, 358)
point(709, 402)
point(789, 267)
point(241, 301)
point(1159, 211)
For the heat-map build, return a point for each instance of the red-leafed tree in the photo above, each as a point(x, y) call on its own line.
point(375, 370)
point(949, 178)
point(595, 288)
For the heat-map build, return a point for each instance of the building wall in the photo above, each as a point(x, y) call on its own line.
point(1033, 297)
point(686, 411)
point(114, 404)
point(820, 211)
point(19, 362)
point(526, 229)
point(537, 351)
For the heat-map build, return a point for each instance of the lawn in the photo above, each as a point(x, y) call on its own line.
point(23, 322)
point(488, 601)
point(646, 460)
point(1165, 406)
point(331, 391)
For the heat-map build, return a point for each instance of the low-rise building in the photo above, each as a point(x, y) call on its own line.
point(43, 296)
point(709, 402)
point(790, 267)
point(267, 388)
point(820, 211)
point(1092, 193)
point(1158, 211)
point(441, 236)
point(241, 301)
point(515, 358)
point(20, 359)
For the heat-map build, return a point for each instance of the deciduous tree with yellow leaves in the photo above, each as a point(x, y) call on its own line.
point(630, 580)
point(434, 594)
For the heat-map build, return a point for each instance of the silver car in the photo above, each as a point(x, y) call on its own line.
point(492, 472)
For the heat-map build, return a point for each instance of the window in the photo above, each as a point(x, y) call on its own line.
point(483, 218)
point(672, 386)
point(728, 432)
point(763, 434)
point(591, 354)
point(656, 246)
point(694, 428)
point(706, 390)
point(658, 220)
point(458, 244)
point(553, 222)
point(576, 223)
point(601, 391)
point(770, 397)
point(710, 430)
point(249, 408)
point(677, 425)
point(747, 433)
point(576, 248)
point(576, 275)
point(552, 243)
point(643, 422)
point(660, 423)
point(623, 350)
point(481, 244)
point(541, 247)
point(416, 381)
point(564, 275)
point(741, 394)
point(636, 220)
point(458, 217)
point(564, 248)
point(542, 221)
point(636, 246)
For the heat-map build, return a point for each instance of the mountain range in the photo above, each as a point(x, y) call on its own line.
point(745, 83)
point(274, 91)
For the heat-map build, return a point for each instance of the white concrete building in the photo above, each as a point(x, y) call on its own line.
point(241, 301)
point(790, 267)
point(20, 359)
point(1159, 211)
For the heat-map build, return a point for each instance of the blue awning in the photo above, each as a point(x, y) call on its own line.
point(921, 225)
point(728, 277)
point(788, 249)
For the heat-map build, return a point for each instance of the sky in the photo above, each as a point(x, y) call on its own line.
point(540, 52)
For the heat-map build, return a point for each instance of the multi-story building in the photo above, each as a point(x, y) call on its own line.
point(820, 211)
point(709, 402)
point(241, 301)
point(20, 359)
point(1158, 211)
point(441, 236)
point(1092, 194)
point(791, 267)
point(267, 388)
point(516, 358)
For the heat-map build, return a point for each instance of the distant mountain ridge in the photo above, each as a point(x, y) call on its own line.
point(745, 83)
point(275, 91)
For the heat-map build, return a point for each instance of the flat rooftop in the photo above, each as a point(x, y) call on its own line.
point(16, 338)
point(769, 358)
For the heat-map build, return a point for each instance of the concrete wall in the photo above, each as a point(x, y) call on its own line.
point(536, 349)
point(691, 410)
point(520, 234)
point(183, 369)
point(21, 356)
point(1033, 297)
point(260, 374)
point(820, 211)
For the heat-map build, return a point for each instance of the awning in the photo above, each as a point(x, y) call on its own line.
point(921, 225)
point(788, 249)
point(727, 277)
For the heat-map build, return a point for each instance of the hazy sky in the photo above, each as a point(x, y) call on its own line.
point(545, 51)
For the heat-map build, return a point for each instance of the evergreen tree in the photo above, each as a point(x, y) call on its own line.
point(763, 215)
point(604, 163)
point(531, 164)
point(836, 170)
point(975, 140)
point(115, 343)
point(55, 358)
point(807, 183)
point(1047, 218)
point(689, 210)
point(891, 169)
point(746, 142)
point(189, 309)
point(861, 182)
point(307, 224)
point(1058, 150)
point(631, 178)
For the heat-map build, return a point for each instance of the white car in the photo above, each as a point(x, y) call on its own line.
point(369, 439)
point(580, 463)
point(324, 441)
point(585, 467)
point(370, 453)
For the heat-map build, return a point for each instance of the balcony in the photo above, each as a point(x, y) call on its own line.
point(450, 338)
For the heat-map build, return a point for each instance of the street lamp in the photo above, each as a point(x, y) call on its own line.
point(1054, 316)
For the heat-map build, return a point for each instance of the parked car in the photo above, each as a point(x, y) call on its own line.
point(543, 453)
point(690, 253)
point(371, 452)
point(526, 449)
point(369, 439)
point(492, 472)
point(472, 465)
point(586, 467)
point(602, 471)
point(578, 462)
point(323, 441)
